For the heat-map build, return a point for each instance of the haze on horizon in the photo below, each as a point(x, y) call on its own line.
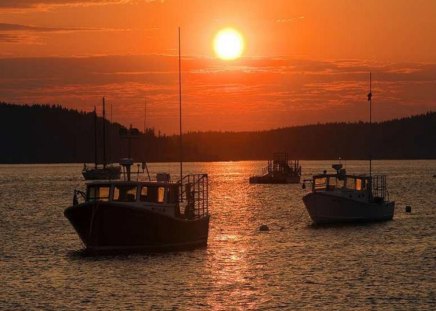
point(303, 62)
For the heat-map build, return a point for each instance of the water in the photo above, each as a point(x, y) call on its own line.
point(381, 266)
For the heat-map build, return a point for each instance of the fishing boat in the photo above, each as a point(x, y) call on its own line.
point(151, 215)
point(280, 170)
point(339, 197)
point(104, 170)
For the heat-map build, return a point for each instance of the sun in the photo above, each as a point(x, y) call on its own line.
point(228, 44)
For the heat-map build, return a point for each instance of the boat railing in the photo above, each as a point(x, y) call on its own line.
point(378, 187)
point(194, 196)
point(81, 194)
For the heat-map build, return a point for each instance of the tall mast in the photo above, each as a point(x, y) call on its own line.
point(145, 115)
point(145, 139)
point(95, 137)
point(104, 134)
point(110, 138)
point(180, 110)
point(370, 124)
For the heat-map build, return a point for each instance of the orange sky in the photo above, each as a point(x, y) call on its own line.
point(305, 61)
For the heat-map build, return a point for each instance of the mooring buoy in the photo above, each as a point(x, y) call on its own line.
point(408, 209)
point(263, 228)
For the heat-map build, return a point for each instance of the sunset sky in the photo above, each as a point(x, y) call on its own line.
point(305, 61)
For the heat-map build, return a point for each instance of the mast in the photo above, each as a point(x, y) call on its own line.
point(95, 137)
point(145, 115)
point(104, 134)
point(370, 125)
point(145, 140)
point(180, 111)
point(110, 138)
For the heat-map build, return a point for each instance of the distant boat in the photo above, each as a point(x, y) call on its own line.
point(104, 170)
point(339, 197)
point(280, 170)
point(102, 173)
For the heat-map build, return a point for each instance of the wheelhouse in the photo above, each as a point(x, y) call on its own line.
point(373, 186)
point(330, 182)
point(152, 192)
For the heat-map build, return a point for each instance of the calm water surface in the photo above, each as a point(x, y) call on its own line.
point(382, 266)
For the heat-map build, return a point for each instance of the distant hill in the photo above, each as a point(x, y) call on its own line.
point(53, 134)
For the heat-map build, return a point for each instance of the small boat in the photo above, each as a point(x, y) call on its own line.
point(104, 170)
point(108, 171)
point(338, 198)
point(280, 170)
point(130, 216)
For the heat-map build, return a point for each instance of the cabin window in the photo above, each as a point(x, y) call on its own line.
point(358, 184)
point(352, 184)
point(125, 193)
point(155, 194)
point(98, 193)
point(144, 192)
point(320, 183)
point(160, 194)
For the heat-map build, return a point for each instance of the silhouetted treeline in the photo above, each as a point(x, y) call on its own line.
point(408, 138)
point(52, 134)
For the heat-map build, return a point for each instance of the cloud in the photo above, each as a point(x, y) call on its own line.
point(37, 3)
point(11, 38)
point(28, 34)
point(258, 93)
point(14, 4)
point(28, 28)
point(290, 19)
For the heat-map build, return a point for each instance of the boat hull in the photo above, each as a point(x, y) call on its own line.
point(324, 208)
point(110, 227)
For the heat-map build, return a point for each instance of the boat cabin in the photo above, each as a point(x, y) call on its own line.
point(151, 192)
point(187, 199)
point(352, 186)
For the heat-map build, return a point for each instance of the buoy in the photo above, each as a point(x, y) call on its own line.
point(264, 228)
point(408, 209)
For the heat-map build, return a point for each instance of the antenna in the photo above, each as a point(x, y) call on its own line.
point(104, 134)
point(110, 138)
point(370, 124)
point(95, 137)
point(145, 115)
point(145, 140)
point(180, 110)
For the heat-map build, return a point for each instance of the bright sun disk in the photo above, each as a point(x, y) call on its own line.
point(228, 44)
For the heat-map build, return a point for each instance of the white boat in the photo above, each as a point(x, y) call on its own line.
point(337, 198)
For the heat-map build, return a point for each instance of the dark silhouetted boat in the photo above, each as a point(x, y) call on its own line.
point(280, 170)
point(337, 198)
point(101, 171)
point(127, 215)
point(153, 215)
